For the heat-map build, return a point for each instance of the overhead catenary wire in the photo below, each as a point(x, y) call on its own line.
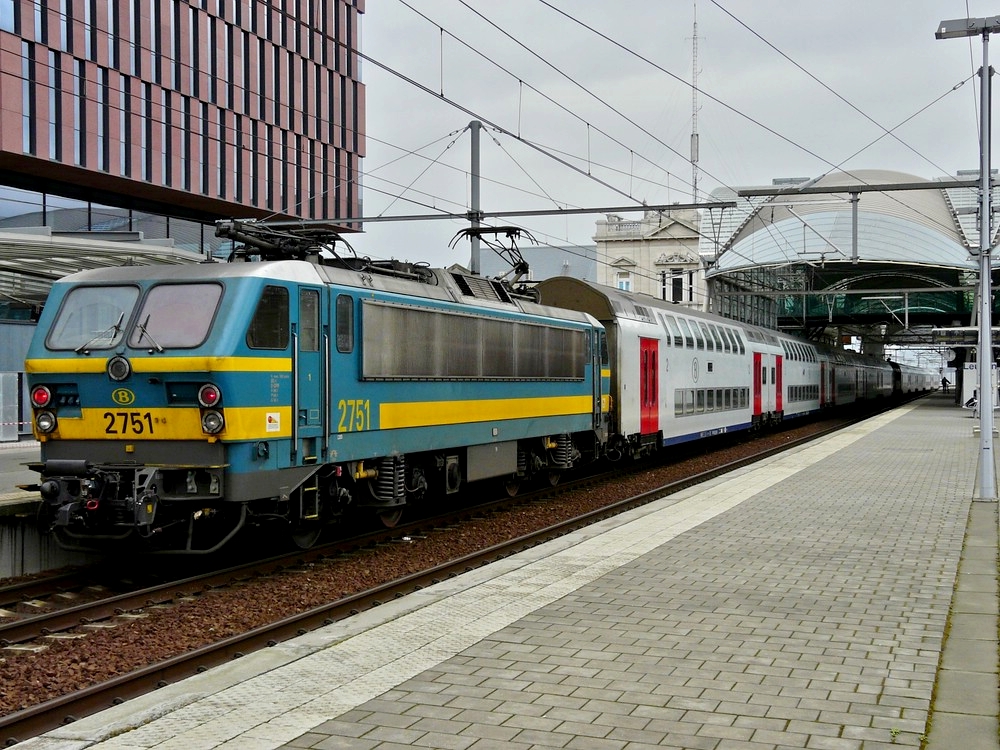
point(632, 152)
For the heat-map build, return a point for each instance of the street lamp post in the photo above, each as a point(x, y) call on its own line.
point(957, 28)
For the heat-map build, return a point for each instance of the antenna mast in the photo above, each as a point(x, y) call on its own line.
point(694, 108)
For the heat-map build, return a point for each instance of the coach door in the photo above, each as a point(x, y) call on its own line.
point(311, 373)
point(649, 389)
point(758, 387)
point(778, 378)
point(764, 386)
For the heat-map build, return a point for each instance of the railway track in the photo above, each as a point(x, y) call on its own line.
point(32, 721)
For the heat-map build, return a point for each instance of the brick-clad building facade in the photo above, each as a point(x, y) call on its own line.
point(190, 108)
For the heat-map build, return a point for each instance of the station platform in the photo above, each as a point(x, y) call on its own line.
point(15, 502)
point(841, 596)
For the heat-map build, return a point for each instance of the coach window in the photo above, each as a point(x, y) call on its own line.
point(708, 337)
point(675, 331)
point(699, 340)
point(718, 338)
point(663, 324)
point(739, 340)
point(269, 327)
point(731, 339)
point(735, 340)
point(688, 338)
point(345, 324)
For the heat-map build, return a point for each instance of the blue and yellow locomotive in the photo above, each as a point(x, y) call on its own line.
point(174, 408)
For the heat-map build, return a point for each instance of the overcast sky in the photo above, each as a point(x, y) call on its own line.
point(787, 89)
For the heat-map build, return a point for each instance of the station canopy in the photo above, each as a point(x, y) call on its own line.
point(31, 259)
point(913, 263)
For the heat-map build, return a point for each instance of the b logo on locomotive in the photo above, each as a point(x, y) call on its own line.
point(123, 396)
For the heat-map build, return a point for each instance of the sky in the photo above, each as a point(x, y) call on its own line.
point(589, 104)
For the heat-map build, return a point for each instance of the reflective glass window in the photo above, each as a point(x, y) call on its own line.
point(175, 316)
point(92, 317)
point(269, 327)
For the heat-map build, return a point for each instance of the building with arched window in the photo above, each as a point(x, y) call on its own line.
point(656, 255)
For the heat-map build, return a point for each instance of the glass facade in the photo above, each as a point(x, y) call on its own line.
point(200, 109)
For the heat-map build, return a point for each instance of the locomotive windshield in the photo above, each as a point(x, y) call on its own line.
point(93, 317)
point(170, 316)
point(175, 316)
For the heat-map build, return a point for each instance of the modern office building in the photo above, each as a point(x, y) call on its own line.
point(193, 109)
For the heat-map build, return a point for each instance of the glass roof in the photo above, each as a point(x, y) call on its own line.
point(828, 236)
point(915, 227)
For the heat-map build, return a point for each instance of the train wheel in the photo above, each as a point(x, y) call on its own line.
point(554, 477)
point(390, 518)
point(305, 536)
point(513, 486)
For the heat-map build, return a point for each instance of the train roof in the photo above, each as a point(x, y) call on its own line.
point(392, 278)
point(283, 270)
point(608, 303)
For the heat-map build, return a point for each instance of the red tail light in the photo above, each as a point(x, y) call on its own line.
point(40, 396)
point(209, 395)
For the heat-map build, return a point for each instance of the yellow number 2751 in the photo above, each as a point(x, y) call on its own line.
point(355, 415)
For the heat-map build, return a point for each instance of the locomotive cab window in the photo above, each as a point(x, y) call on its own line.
point(309, 320)
point(345, 324)
point(176, 316)
point(93, 317)
point(269, 327)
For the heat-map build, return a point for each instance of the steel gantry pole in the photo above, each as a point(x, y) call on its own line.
point(475, 216)
point(964, 27)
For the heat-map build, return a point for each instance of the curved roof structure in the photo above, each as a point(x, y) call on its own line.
point(32, 259)
point(912, 227)
point(787, 256)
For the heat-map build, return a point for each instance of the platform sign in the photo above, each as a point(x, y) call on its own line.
point(959, 336)
point(970, 385)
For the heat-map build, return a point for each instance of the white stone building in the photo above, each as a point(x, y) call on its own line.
point(656, 255)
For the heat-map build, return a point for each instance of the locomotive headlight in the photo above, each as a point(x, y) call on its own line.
point(212, 422)
point(119, 368)
point(45, 421)
point(41, 396)
point(209, 395)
